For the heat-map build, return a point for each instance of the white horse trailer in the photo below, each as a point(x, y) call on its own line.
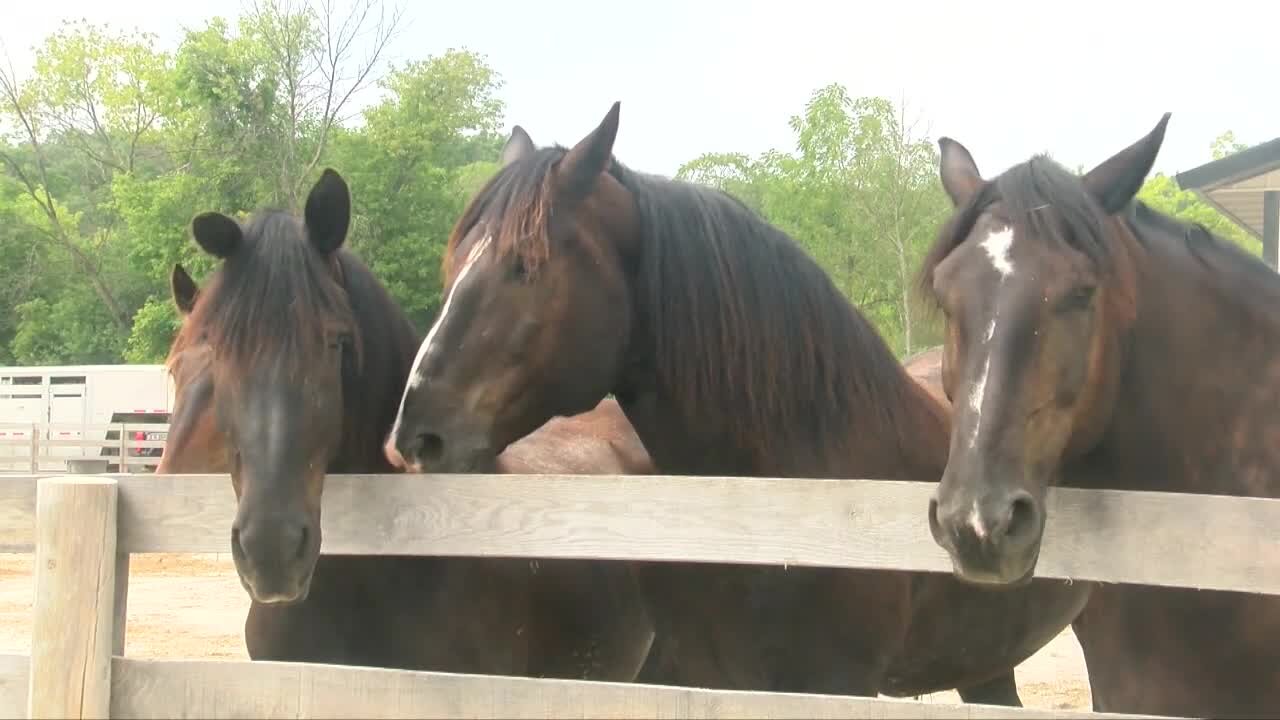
point(59, 404)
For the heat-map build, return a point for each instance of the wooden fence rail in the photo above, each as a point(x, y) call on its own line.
point(215, 689)
point(1214, 542)
point(1205, 541)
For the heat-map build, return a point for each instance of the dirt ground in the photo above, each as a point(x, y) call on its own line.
point(192, 606)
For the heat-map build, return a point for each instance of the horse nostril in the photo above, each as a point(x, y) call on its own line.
point(1023, 518)
point(430, 447)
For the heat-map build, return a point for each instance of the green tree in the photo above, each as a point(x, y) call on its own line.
point(250, 116)
point(860, 193)
point(84, 117)
point(1226, 144)
point(422, 152)
point(1162, 193)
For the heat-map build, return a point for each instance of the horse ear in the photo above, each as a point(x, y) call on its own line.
point(583, 165)
point(1118, 178)
point(217, 234)
point(519, 145)
point(328, 212)
point(183, 288)
point(960, 176)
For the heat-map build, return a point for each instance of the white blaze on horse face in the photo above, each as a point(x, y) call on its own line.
point(978, 394)
point(998, 245)
point(415, 372)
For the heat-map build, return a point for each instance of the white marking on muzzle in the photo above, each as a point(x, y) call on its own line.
point(415, 372)
point(975, 521)
point(276, 598)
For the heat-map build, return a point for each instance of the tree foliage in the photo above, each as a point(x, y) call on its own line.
point(1163, 193)
point(860, 192)
point(109, 145)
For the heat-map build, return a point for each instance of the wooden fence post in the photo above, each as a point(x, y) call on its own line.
point(75, 586)
point(35, 448)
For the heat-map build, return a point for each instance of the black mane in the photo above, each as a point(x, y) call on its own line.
point(748, 318)
point(1251, 285)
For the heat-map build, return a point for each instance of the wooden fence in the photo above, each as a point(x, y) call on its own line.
point(47, 448)
point(82, 530)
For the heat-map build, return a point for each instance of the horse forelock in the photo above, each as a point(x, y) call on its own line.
point(275, 300)
point(514, 207)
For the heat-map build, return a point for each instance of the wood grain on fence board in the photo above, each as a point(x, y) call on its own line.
point(218, 688)
point(239, 689)
point(73, 613)
point(14, 679)
point(1206, 541)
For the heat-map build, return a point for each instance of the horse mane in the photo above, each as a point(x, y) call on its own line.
point(751, 326)
point(274, 299)
point(387, 346)
point(1224, 265)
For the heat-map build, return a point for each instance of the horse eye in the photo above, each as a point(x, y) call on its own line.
point(1078, 299)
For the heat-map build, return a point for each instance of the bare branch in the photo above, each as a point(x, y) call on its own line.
point(338, 46)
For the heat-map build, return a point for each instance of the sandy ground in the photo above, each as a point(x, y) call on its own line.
point(192, 606)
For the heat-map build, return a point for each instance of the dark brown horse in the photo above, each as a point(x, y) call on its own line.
point(288, 366)
point(732, 353)
point(1094, 342)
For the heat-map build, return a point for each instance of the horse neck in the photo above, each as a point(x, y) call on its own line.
point(908, 441)
point(1198, 403)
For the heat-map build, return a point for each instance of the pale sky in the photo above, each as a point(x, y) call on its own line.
point(1007, 78)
